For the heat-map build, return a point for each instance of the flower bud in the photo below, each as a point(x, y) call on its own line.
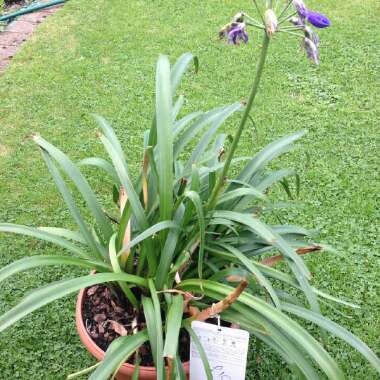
point(311, 50)
point(318, 20)
point(301, 9)
point(311, 35)
point(296, 21)
point(271, 23)
point(239, 17)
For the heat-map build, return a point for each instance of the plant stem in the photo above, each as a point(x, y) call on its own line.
point(255, 87)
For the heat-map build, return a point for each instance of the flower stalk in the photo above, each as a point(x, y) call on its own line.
point(255, 86)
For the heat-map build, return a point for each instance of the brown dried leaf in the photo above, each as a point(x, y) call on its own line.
point(118, 328)
point(223, 304)
point(270, 261)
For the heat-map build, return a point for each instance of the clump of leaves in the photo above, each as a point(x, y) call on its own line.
point(180, 248)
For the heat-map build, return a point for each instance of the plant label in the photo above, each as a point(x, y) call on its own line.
point(226, 350)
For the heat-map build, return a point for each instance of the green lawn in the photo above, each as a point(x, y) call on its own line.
point(92, 56)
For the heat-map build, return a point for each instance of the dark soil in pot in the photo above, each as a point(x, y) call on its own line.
point(106, 318)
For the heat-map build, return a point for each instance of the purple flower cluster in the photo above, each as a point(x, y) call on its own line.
point(235, 31)
point(311, 40)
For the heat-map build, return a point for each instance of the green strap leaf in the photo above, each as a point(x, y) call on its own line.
point(177, 107)
point(180, 68)
point(83, 372)
point(152, 312)
point(201, 351)
point(80, 182)
point(103, 164)
point(242, 192)
point(133, 200)
point(64, 233)
point(264, 183)
point(271, 151)
point(276, 317)
point(151, 326)
point(116, 268)
point(210, 134)
point(148, 233)
point(188, 135)
point(336, 330)
point(96, 249)
point(168, 251)
point(119, 350)
point(59, 289)
point(250, 265)
point(164, 137)
point(43, 235)
point(182, 123)
point(195, 198)
point(265, 232)
point(173, 325)
point(123, 173)
point(110, 135)
point(40, 261)
point(136, 372)
point(160, 340)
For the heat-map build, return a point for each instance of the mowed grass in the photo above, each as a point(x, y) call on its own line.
point(99, 56)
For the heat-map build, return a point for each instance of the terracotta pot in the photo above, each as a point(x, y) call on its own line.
point(126, 371)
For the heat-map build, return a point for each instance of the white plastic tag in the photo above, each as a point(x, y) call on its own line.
point(226, 350)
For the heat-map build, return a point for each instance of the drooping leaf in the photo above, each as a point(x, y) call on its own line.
point(41, 261)
point(300, 336)
point(180, 68)
point(271, 178)
point(59, 289)
point(251, 266)
point(242, 192)
point(209, 135)
point(182, 123)
point(43, 235)
point(110, 135)
point(103, 164)
point(64, 233)
point(336, 330)
point(263, 231)
point(80, 182)
point(160, 226)
point(271, 151)
point(97, 249)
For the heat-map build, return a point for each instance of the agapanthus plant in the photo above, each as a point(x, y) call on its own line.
point(190, 240)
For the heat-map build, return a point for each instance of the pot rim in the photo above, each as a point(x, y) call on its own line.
point(94, 349)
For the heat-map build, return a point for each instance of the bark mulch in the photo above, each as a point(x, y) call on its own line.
point(106, 318)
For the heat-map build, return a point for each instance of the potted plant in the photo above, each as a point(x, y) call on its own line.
point(191, 239)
